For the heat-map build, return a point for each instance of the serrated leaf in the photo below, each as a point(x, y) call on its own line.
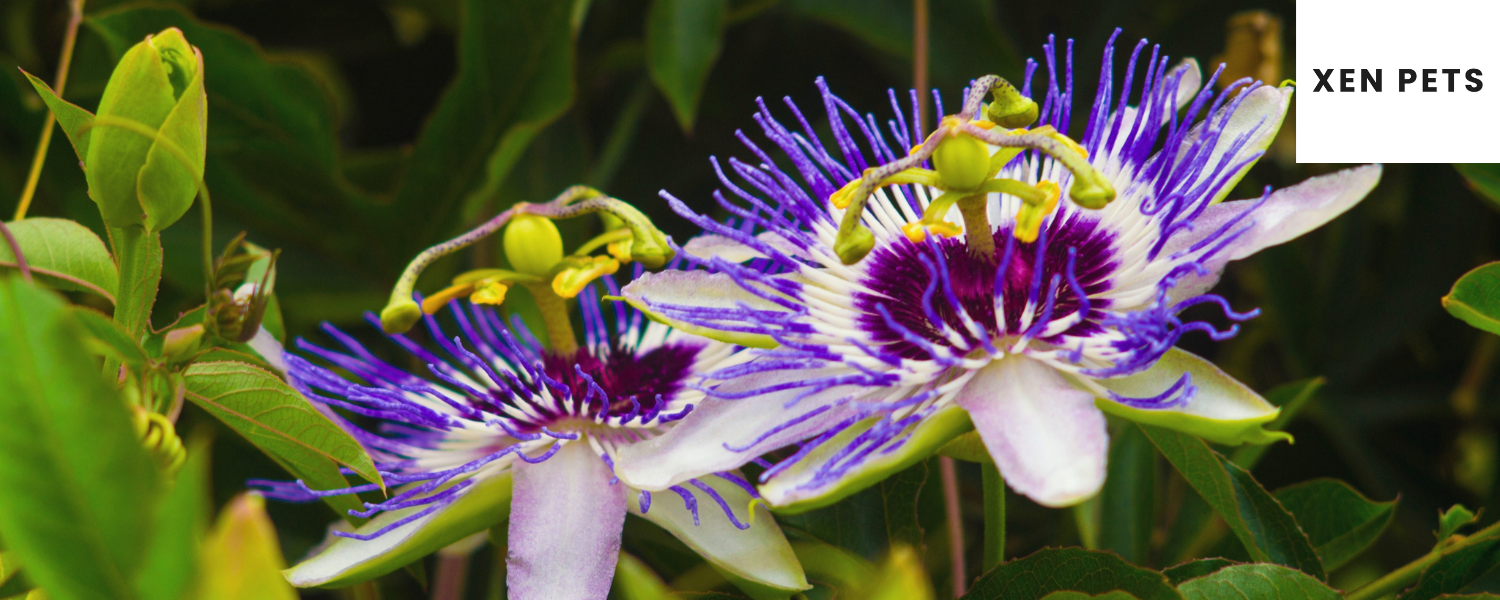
point(63, 254)
point(1068, 595)
point(1070, 569)
point(1127, 506)
point(79, 489)
point(1475, 298)
point(1195, 568)
point(1453, 519)
point(515, 75)
point(1266, 529)
point(73, 119)
point(1467, 570)
point(683, 39)
point(1257, 582)
point(110, 338)
point(1339, 521)
point(275, 417)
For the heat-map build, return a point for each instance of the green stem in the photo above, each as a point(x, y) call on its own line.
point(994, 516)
point(977, 235)
point(555, 317)
point(139, 256)
point(75, 17)
point(953, 510)
point(1400, 578)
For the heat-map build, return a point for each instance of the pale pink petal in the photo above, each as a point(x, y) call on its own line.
point(1047, 437)
point(565, 523)
point(1288, 213)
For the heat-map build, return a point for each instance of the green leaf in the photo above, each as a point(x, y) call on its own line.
point(110, 338)
point(636, 581)
point(241, 558)
point(1475, 298)
point(275, 417)
point(683, 39)
point(1468, 570)
point(869, 522)
point(1266, 529)
point(1453, 519)
point(1071, 569)
point(515, 75)
point(1339, 521)
point(1257, 582)
point(1483, 179)
point(73, 119)
point(79, 489)
point(1070, 595)
point(1195, 568)
point(1127, 504)
point(13, 581)
point(64, 255)
point(181, 521)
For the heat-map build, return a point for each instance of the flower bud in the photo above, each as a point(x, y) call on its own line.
point(180, 344)
point(532, 245)
point(962, 161)
point(140, 179)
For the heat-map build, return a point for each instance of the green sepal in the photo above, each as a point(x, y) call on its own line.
point(138, 91)
point(75, 121)
point(344, 561)
point(1249, 429)
point(927, 436)
point(166, 186)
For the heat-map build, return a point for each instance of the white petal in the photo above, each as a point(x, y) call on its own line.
point(759, 554)
point(709, 245)
point(720, 435)
point(1188, 86)
point(341, 561)
point(1047, 437)
point(656, 293)
point(1288, 213)
point(1223, 410)
point(564, 527)
point(1258, 116)
point(269, 349)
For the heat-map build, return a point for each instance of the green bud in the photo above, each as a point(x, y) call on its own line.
point(532, 245)
point(853, 247)
point(141, 179)
point(180, 344)
point(399, 317)
point(1090, 192)
point(962, 161)
point(1010, 109)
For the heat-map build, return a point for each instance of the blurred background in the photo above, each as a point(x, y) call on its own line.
point(353, 133)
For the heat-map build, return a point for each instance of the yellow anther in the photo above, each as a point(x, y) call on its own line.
point(489, 292)
point(841, 198)
point(915, 149)
point(571, 280)
point(1029, 218)
point(917, 231)
point(434, 303)
point(620, 250)
point(982, 124)
point(1072, 145)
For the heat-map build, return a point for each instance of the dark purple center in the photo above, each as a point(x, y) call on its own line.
point(901, 280)
point(623, 375)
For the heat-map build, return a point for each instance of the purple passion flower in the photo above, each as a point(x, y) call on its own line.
point(983, 294)
point(497, 421)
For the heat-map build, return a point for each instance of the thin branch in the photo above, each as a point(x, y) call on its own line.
point(15, 249)
point(75, 17)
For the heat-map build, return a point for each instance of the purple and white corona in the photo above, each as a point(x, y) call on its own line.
point(900, 286)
